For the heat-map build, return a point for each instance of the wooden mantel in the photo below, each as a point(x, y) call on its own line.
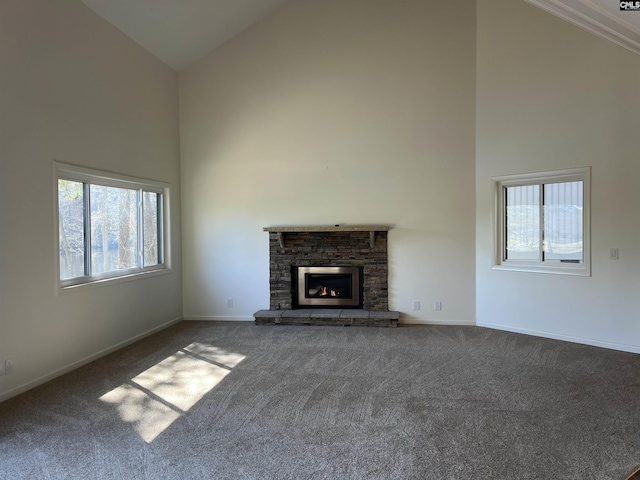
point(372, 229)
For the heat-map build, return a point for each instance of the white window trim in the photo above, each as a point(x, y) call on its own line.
point(77, 173)
point(567, 175)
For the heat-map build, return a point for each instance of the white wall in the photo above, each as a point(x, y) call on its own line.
point(74, 89)
point(339, 111)
point(550, 96)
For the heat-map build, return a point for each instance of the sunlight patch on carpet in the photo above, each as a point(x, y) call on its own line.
point(157, 397)
point(148, 416)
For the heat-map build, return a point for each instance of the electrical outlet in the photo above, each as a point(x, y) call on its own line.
point(613, 254)
point(437, 306)
point(416, 304)
point(229, 302)
point(1, 369)
point(8, 366)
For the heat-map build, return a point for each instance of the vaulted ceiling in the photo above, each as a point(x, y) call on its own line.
point(180, 32)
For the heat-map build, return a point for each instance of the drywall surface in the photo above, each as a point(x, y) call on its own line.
point(334, 112)
point(76, 90)
point(552, 96)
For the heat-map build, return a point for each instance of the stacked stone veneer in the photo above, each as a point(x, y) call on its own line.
point(329, 249)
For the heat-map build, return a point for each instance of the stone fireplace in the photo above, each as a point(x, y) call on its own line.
point(328, 275)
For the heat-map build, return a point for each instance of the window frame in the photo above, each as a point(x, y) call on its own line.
point(89, 176)
point(583, 268)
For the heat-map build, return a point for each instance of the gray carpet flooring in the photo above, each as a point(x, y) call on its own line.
point(217, 400)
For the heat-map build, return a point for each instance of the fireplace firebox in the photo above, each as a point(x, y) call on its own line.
point(328, 287)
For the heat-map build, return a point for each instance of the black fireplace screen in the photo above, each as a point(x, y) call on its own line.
point(329, 287)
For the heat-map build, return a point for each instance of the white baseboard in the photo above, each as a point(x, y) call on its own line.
point(567, 338)
point(408, 321)
point(417, 321)
point(61, 371)
point(218, 318)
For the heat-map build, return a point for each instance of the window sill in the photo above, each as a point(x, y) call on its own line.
point(580, 270)
point(60, 290)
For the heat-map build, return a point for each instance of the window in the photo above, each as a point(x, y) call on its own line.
point(543, 222)
point(109, 226)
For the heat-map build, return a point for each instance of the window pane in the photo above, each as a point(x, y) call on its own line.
point(71, 228)
point(150, 225)
point(563, 221)
point(523, 222)
point(114, 225)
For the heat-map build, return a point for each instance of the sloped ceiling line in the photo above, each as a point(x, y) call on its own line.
point(621, 28)
point(180, 32)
